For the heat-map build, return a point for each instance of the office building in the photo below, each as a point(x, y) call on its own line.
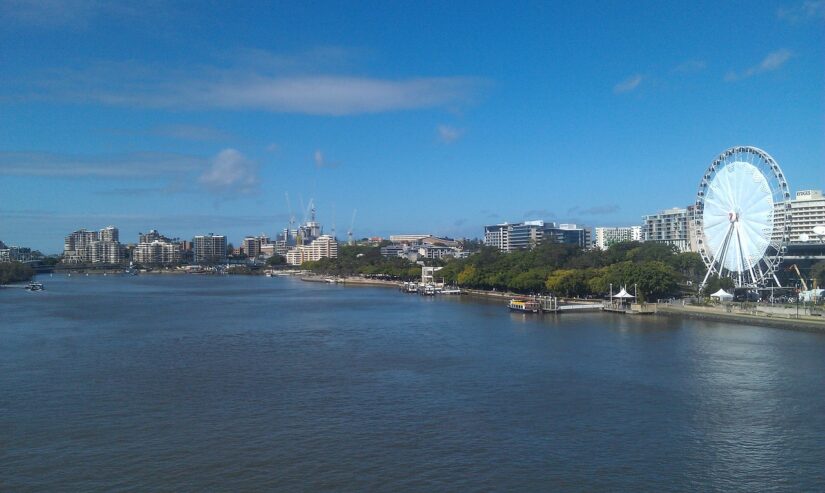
point(807, 212)
point(410, 239)
point(509, 237)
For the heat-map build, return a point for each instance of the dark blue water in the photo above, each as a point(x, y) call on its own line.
point(187, 383)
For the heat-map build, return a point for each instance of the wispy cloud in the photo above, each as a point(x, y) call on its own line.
point(242, 87)
point(690, 67)
point(773, 61)
point(539, 214)
point(321, 161)
point(595, 210)
point(128, 165)
point(191, 132)
point(449, 134)
point(809, 9)
point(72, 14)
point(630, 84)
point(230, 173)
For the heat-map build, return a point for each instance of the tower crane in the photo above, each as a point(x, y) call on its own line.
point(350, 239)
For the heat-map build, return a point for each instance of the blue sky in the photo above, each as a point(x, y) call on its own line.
point(425, 117)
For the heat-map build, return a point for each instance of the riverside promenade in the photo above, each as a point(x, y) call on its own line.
point(755, 316)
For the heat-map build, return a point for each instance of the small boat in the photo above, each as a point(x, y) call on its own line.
point(35, 286)
point(522, 305)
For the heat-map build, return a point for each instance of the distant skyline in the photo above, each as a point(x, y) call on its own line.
point(426, 117)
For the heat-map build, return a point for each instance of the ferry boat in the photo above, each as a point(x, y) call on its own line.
point(35, 286)
point(409, 287)
point(522, 305)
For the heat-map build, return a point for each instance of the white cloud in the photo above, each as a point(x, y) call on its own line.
point(230, 173)
point(244, 87)
point(321, 160)
point(629, 84)
point(773, 61)
point(449, 134)
point(128, 165)
point(809, 9)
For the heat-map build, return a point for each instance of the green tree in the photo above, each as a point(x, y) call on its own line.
point(15, 272)
point(818, 273)
point(276, 260)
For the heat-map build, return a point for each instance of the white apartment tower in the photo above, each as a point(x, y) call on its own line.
point(608, 236)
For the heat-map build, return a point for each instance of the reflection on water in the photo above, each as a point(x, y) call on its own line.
point(238, 383)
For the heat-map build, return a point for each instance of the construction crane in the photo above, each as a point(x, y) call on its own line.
point(796, 269)
point(350, 239)
point(289, 208)
point(333, 221)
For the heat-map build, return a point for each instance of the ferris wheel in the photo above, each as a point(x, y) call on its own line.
point(742, 217)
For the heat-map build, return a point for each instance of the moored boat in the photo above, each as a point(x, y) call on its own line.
point(522, 305)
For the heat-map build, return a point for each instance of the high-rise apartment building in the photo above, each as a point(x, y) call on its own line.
point(322, 247)
point(209, 249)
point(670, 226)
point(157, 252)
point(95, 247)
point(608, 236)
point(110, 233)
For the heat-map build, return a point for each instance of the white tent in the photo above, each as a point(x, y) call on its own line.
point(812, 295)
point(623, 294)
point(722, 295)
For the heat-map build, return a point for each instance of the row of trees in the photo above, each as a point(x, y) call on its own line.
point(15, 272)
point(657, 270)
point(365, 261)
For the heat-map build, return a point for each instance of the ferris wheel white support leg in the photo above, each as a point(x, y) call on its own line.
point(711, 269)
point(777, 280)
point(742, 260)
point(739, 251)
point(725, 248)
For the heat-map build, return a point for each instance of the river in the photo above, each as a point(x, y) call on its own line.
point(200, 383)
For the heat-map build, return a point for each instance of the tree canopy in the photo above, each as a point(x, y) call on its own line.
point(656, 270)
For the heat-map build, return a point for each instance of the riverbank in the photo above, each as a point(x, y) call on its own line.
point(806, 323)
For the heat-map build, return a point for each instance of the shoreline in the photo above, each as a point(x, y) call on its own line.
point(700, 313)
point(806, 324)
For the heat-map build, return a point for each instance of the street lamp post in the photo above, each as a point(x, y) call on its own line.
point(797, 300)
point(611, 295)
